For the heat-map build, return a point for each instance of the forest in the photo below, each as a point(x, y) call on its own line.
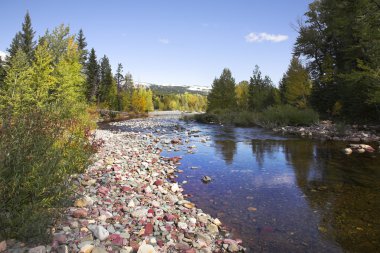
point(334, 73)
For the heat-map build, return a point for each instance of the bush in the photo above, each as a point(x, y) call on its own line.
point(38, 153)
point(286, 115)
point(244, 118)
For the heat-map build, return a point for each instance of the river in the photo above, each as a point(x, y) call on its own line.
point(278, 193)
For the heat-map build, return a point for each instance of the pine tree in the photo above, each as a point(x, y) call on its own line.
point(261, 91)
point(295, 85)
point(15, 46)
point(2, 72)
point(27, 37)
point(222, 95)
point(106, 83)
point(92, 73)
point(119, 82)
point(82, 44)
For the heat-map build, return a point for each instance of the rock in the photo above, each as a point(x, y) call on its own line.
point(131, 203)
point(146, 248)
point(83, 202)
point(182, 225)
point(101, 233)
point(206, 179)
point(126, 250)
point(189, 205)
point(60, 238)
point(252, 209)
point(39, 249)
point(202, 218)
point(347, 151)
point(360, 150)
point(89, 182)
point(80, 213)
point(86, 249)
point(63, 249)
point(148, 229)
point(158, 182)
point(3, 246)
point(99, 250)
point(175, 187)
point(367, 148)
point(233, 247)
point(217, 222)
point(213, 229)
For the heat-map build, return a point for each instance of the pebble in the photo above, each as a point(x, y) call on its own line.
point(101, 233)
point(128, 205)
point(39, 249)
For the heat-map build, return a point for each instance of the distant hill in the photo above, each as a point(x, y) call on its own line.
point(178, 89)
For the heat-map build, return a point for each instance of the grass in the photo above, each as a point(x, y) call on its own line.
point(283, 115)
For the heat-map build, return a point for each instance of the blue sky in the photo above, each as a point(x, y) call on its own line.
point(184, 42)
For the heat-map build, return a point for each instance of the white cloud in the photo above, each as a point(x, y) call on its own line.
point(164, 41)
point(260, 37)
point(3, 55)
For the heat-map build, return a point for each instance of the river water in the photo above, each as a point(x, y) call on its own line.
point(276, 193)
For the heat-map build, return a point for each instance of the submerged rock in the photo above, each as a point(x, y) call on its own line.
point(206, 179)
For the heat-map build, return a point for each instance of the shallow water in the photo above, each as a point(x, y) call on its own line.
point(281, 194)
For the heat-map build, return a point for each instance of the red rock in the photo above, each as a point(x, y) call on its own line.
point(60, 238)
point(158, 182)
point(169, 217)
point(151, 211)
point(148, 229)
point(160, 243)
point(192, 250)
point(103, 190)
point(80, 213)
point(175, 159)
point(116, 239)
point(126, 188)
point(135, 245)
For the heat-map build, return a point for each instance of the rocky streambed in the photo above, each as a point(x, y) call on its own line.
point(329, 131)
point(125, 203)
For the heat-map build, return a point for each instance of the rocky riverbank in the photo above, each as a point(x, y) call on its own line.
point(329, 131)
point(125, 203)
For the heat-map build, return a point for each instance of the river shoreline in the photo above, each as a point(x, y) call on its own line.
point(326, 130)
point(125, 203)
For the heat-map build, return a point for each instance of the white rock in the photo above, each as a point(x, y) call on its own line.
point(131, 203)
point(175, 187)
point(146, 248)
point(217, 222)
point(101, 233)
point(182, 225)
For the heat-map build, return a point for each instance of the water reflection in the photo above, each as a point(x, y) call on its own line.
point(227, 146)
point(307, 195)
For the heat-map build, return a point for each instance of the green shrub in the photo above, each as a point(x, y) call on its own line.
point(38, 153)
point(286, 115)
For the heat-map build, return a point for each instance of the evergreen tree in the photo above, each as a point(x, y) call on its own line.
point(261, 91)
point(222, 95)
point(106, 83)
point(2, 72)
point(27, 37)
point(295, 86)
point(119, 82)
point(340, 40)
point(82, 44)
point(92, 73)
point(15, 46)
